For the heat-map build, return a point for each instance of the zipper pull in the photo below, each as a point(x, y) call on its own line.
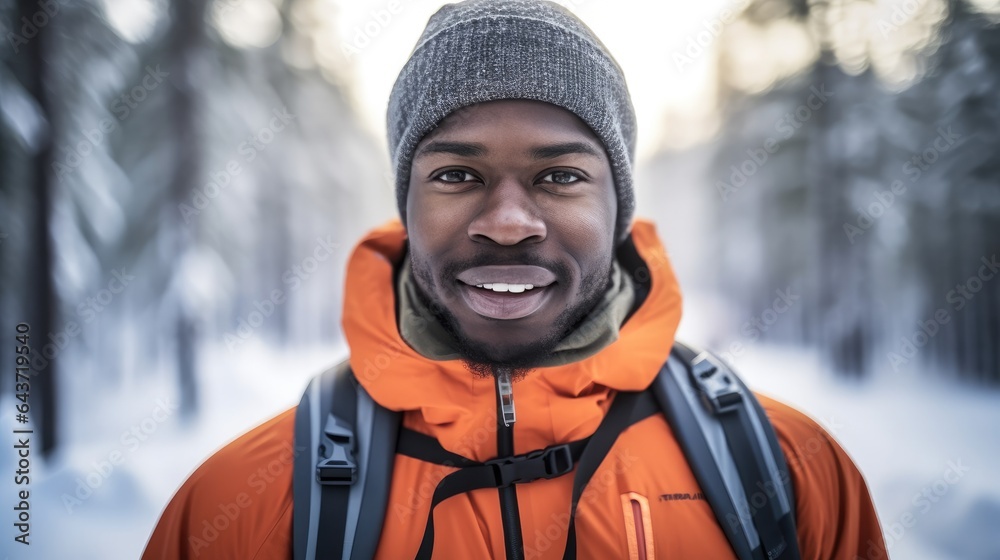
point(506, 391)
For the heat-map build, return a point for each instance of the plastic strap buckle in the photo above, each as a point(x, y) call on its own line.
point(337, 466)
point(550, 462)
point(720, 392)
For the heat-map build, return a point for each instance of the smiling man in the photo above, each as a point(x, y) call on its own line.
point(506, 336)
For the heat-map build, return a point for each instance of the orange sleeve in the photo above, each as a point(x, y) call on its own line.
point(237, 504)
point(835, 516)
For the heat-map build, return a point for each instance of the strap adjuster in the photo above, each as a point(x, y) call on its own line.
point(337, 466)
point(720, 392)
point(550, 462)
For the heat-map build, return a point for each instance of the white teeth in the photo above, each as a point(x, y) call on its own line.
point(506, 287)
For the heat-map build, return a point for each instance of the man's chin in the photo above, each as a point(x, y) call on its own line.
point(485, 371)
point(485, 359)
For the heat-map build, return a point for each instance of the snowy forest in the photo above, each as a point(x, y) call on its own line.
point(181, 182)
point(864, 174)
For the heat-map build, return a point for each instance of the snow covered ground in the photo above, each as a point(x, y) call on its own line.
point(929, 450)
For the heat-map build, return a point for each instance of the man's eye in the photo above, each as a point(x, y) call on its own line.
point(455, 176)
point(561, 178)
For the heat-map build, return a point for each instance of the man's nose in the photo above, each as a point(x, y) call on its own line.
point(509, 216)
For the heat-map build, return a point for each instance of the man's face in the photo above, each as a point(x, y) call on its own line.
point(510, 217)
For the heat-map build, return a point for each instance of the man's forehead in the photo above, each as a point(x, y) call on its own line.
point(557, 131)
point(541, 151)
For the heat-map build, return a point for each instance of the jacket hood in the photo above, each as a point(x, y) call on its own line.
point(554, 404)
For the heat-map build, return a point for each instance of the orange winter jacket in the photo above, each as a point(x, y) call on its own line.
point(643, 501)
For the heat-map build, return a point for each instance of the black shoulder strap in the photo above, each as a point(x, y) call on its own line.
point(345, 448)
point(731, 447)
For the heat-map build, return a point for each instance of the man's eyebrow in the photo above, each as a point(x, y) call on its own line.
point(463, 149)
point(555, 150)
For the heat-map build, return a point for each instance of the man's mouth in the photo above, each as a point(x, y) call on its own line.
point(506, 292)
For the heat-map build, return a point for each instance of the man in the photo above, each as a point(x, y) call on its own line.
point(516, 262)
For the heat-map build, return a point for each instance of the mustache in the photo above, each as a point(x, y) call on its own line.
point(451, 269)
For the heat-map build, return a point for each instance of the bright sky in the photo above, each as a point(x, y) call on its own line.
point(667, 49)
point(643, 36)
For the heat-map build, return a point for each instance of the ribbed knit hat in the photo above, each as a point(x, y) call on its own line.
point(488, 50)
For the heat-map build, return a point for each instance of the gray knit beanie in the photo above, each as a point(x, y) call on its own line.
point(488, 50)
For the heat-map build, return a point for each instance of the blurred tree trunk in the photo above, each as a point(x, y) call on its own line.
point(185, 44)
point(42, 299)
point(842, 267)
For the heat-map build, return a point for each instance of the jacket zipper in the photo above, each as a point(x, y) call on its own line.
point(505, 448)
point(636, 510)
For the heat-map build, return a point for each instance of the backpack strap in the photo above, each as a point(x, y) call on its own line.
point(554, 461)
point(732, 450)
point(345, 448)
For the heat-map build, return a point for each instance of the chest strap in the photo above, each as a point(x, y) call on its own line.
point(552, 462)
